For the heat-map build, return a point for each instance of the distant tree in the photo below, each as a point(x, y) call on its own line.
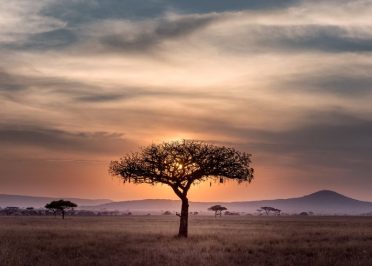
point(181, 164)
point(167, 213)
point(12, 210)
point(60, 206)
point(277, 212)
point(231, 213)
point(304, 214)
point(217, 210)
point(269, 210)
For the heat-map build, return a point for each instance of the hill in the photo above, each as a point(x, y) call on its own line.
point(38, 202)
point(324, 202)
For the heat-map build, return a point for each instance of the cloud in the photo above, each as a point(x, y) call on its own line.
point(82, 12)
point(9, 83)
point(253, 38)
point(55, 140)
point(19, 87)
point(349, 85)
point(320, 139)
point(54, 39)
point(205, 6)
point(242, 26)
point(144, 36)
point(15, 87)
point(69, 19)
point(312, 37)
point(326, 139)
point(114, 35)
point(21, 18)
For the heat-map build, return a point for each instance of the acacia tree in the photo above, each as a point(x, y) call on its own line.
point(180, 164)
point(217, 210)
point(60, 205)
point(271, 209)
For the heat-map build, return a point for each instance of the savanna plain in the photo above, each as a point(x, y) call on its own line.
point(150, 240)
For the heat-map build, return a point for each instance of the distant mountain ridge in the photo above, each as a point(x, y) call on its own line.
point(39, 202)
point(320, 202)
point(323, 202)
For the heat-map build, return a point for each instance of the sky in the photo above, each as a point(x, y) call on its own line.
point(83, 82)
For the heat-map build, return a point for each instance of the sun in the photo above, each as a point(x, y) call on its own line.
point(178, 165)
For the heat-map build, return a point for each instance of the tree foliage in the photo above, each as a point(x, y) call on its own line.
point(217, 210)
point(60, 206)
point(180, 164)
point(269, 210)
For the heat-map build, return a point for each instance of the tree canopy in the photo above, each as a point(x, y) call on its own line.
point(217, 209)
point(180, 164)
point(60, 205)
point(268, 210)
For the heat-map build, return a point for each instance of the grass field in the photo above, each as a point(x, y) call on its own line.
point(149, 240)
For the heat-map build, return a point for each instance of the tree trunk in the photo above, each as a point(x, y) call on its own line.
point(63, 214)
point(184, 218)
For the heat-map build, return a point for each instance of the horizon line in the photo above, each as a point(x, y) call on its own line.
point(216, 201)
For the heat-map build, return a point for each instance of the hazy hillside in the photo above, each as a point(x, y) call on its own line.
point(321, 202)
point(37, 202)
point(151, 206)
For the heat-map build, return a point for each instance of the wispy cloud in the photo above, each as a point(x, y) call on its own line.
point(52, 141)
point(20, 19)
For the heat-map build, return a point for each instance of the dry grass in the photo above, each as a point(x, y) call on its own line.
point(150, 240)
